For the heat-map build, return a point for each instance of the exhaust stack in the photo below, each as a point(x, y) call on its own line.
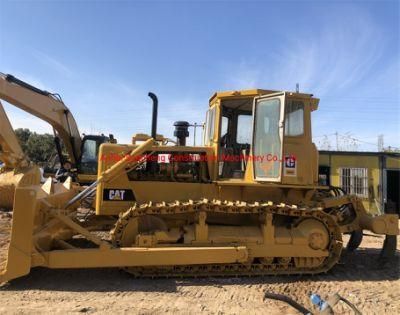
point(154, 118)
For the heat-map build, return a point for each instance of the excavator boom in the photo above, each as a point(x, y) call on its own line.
point(46, 106)
point(18, 171)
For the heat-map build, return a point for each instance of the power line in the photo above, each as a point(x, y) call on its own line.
point(356, 140)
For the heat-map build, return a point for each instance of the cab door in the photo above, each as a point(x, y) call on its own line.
point(267, 144)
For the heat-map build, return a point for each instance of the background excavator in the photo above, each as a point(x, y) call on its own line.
point(247, 202)
point(17, 169)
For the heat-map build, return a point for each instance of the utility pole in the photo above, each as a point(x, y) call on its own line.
point(337, 141)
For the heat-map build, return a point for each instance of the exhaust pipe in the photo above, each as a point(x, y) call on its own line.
point(154, 118)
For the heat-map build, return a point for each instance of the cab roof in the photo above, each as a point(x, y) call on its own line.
point(226, 95)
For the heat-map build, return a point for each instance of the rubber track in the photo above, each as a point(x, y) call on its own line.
point(236, 269)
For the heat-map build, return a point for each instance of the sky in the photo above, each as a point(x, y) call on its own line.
point(104, 57)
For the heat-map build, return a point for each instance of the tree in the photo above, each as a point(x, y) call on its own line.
point(40, 148)
point(23, 135)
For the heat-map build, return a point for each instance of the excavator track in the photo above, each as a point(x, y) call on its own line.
point(235, 269)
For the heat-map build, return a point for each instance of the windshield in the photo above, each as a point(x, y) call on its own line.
point(89, 153)
point(89, 162)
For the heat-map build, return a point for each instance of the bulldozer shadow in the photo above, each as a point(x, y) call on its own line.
point(361, 265)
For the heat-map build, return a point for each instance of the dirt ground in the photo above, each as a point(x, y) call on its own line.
point(374, 288)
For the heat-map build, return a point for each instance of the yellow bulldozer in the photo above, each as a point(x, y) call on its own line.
point(246, 202)
point(49, 107)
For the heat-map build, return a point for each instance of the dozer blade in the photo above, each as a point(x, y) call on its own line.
point(20, 248)
point(30, 204)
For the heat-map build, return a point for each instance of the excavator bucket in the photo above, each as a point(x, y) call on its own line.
point(11, 179)
point(8, 184)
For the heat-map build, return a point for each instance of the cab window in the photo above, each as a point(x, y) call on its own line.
point(210, 126)
point(224, 126)
point(294, 118)
point(244, 129)
point(89, 153)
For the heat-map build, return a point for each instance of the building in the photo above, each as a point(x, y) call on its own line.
point(372, 176)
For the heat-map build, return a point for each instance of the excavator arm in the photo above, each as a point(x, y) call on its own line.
point(10, 151)
point(44, 105)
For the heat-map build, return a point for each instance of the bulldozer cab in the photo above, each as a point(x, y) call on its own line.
point(263, 136)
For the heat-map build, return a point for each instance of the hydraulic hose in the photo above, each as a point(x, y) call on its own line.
point(288, 300)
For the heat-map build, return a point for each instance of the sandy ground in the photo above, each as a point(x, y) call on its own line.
point(374, 288)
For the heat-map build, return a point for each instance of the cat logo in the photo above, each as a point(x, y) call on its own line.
point(118, 195)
